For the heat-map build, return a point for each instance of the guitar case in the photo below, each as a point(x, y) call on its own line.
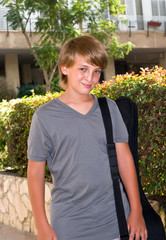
point(129, 113)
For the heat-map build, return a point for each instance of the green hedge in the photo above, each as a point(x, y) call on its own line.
point(15, 120)
point(148, 90)
point(27, 90)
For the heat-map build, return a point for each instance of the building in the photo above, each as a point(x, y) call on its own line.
point(17, 65)
point(146, 28)
point(144, 24)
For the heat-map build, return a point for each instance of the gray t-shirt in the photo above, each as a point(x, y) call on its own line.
point(74, 146)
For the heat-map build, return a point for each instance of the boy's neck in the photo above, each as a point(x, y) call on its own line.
point(67, 96)
point(81, 104)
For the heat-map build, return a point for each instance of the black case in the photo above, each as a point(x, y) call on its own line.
point(129, 114)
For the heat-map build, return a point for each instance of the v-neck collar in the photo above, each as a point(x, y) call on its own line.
point(72, 110)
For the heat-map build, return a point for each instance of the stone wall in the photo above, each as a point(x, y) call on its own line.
point(15, 207)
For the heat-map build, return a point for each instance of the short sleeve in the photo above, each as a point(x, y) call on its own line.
point(120, 133)
point(39, 144)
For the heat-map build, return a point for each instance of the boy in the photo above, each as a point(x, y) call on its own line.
point(69, 133)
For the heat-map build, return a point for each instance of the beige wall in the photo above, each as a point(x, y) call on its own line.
point(12, 72)
point(37, 76)
point(140, 39)
point(162, 61)
point(15, 40)
point(26, 73)
point(110, 70)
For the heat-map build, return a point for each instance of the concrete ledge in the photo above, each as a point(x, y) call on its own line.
point(8, 232)
point(15, 40)
point(15, 207)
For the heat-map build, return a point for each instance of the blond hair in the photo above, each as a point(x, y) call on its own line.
point(85, 46)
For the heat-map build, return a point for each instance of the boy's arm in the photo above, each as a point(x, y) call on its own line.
point(136, 223)
point(36, 186)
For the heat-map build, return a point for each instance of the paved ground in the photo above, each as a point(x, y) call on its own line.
point(9, 233)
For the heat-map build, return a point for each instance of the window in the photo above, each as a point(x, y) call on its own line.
point(162, 8)
point(158, 7)
point(138, 4)
point(130, 7)
point(155, 10)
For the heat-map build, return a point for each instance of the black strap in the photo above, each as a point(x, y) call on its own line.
point(124, 235)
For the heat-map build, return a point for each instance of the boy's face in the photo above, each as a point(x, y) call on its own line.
point(82, 76)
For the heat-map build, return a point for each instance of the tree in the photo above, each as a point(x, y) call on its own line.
point(59, 20)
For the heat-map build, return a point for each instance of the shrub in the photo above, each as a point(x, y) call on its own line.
point(148, 90)
point(28, 90)
point(15, 120)
point(55, 84)
point(25, 90)
point(40, 90)
point(6, 91)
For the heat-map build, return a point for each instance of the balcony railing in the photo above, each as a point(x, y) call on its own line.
point(5, 26)
point(122, 25)
point(141, 25)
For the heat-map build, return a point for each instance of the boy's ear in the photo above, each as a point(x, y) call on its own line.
point(64, 70)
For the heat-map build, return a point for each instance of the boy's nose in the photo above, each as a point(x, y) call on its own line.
point(89, 75)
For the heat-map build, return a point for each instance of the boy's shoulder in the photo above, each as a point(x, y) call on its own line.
point(109, 100)
point(46, 107)
point(111, 103)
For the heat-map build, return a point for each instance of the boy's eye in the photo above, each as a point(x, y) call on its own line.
point(83, 69)
point(98, 71)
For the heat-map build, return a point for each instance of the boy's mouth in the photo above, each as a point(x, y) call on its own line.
point(87, 85)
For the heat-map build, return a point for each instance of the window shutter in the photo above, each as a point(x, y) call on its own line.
point(130, 7)
point(155, 10)
point(162, 6)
